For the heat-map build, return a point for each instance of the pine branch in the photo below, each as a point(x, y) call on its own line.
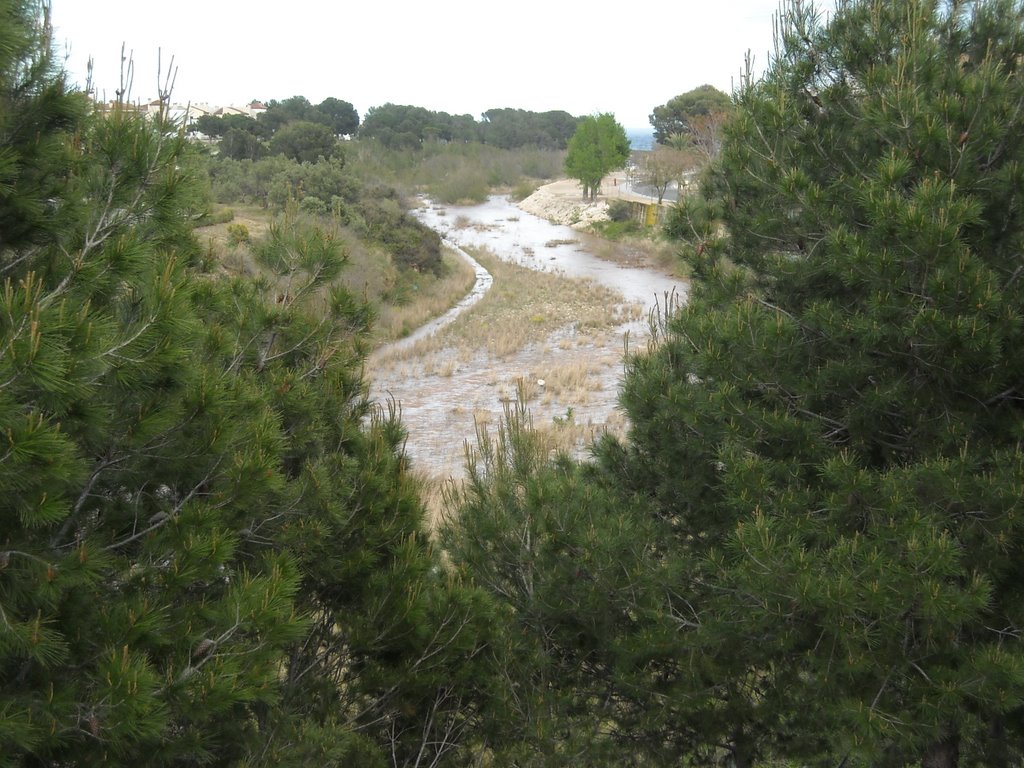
point(161, 519)
point(72, 519)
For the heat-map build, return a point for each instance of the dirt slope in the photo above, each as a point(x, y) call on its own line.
point(562, 201)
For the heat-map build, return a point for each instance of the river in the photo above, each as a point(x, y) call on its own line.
point(440, 408)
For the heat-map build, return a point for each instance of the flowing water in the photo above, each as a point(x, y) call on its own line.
point(441, 405)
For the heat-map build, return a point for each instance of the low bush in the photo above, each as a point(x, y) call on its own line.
point(238, 234)
point(620, 210)
point(523, 190)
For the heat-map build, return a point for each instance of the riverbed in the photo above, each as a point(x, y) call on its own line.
point(441, 405)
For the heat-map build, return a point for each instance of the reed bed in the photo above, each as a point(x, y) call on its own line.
point(426, 297)
point(525, 307)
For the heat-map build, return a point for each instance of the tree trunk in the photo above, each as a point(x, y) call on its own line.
point(742, 752)
point(998, 753)
point(942, 754)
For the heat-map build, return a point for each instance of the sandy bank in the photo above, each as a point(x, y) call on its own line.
point(562, 201)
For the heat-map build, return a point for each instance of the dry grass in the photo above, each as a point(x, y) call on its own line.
point(526, 307)
point(430, 298)
point(573, 379)
point(635, 251)
point(230, 257)
point(431, 493)
point(568, 437)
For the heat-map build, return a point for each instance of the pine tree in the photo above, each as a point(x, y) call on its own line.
point(833, 423)
point(137, 623)
point(583, 623)
point(210, 548)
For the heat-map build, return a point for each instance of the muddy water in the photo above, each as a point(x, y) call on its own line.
point(442, 401)
point(532, 242)
point(483, 282)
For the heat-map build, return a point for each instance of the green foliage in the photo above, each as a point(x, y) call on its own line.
point(523, 190)
point(238, 234)
point(327, 188)
point(241, 145)
point(617, 230)
point(674, 118)
point(337, 115)
point(451, 172)
point(290, 110)
point(344, 120)
point(407, 127)
point(514, 128)
point(324, 180)
point(220, 215)
point(305, 142)
point(411, 244)
point(274, 182)
point(468, 184)
point(35, 113)
point(581, 606)
point(120, 483)
point(832, 424)
point(598, 146)
point(620, 211)
point(220, 125)
point(210, 549)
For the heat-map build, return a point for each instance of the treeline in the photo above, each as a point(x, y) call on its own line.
point(362, 171)
point(293, 127)
point(405, 127)
point(293, 152)
point(297, 121)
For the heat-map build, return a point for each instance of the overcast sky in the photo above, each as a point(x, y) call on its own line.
point(456, 56)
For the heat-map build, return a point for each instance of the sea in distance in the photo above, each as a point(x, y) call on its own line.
point(640, 138)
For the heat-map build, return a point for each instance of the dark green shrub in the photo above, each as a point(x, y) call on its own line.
point(620, 210)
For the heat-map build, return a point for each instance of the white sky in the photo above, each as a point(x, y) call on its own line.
point(456, 56)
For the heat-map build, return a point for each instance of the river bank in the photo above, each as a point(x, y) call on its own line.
point(541, 338)
point(562, 202)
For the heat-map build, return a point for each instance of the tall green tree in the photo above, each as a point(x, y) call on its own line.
point(135, 616)
point(305, 142)
point(210, 548)
point(290, 110)
point(583, 624)
point(598, 146)
point(220, 125)
point(676, 117)
point(241, 145)
point(833, 423)
point(37, 113)
point(385, 667)
point(342, 116)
